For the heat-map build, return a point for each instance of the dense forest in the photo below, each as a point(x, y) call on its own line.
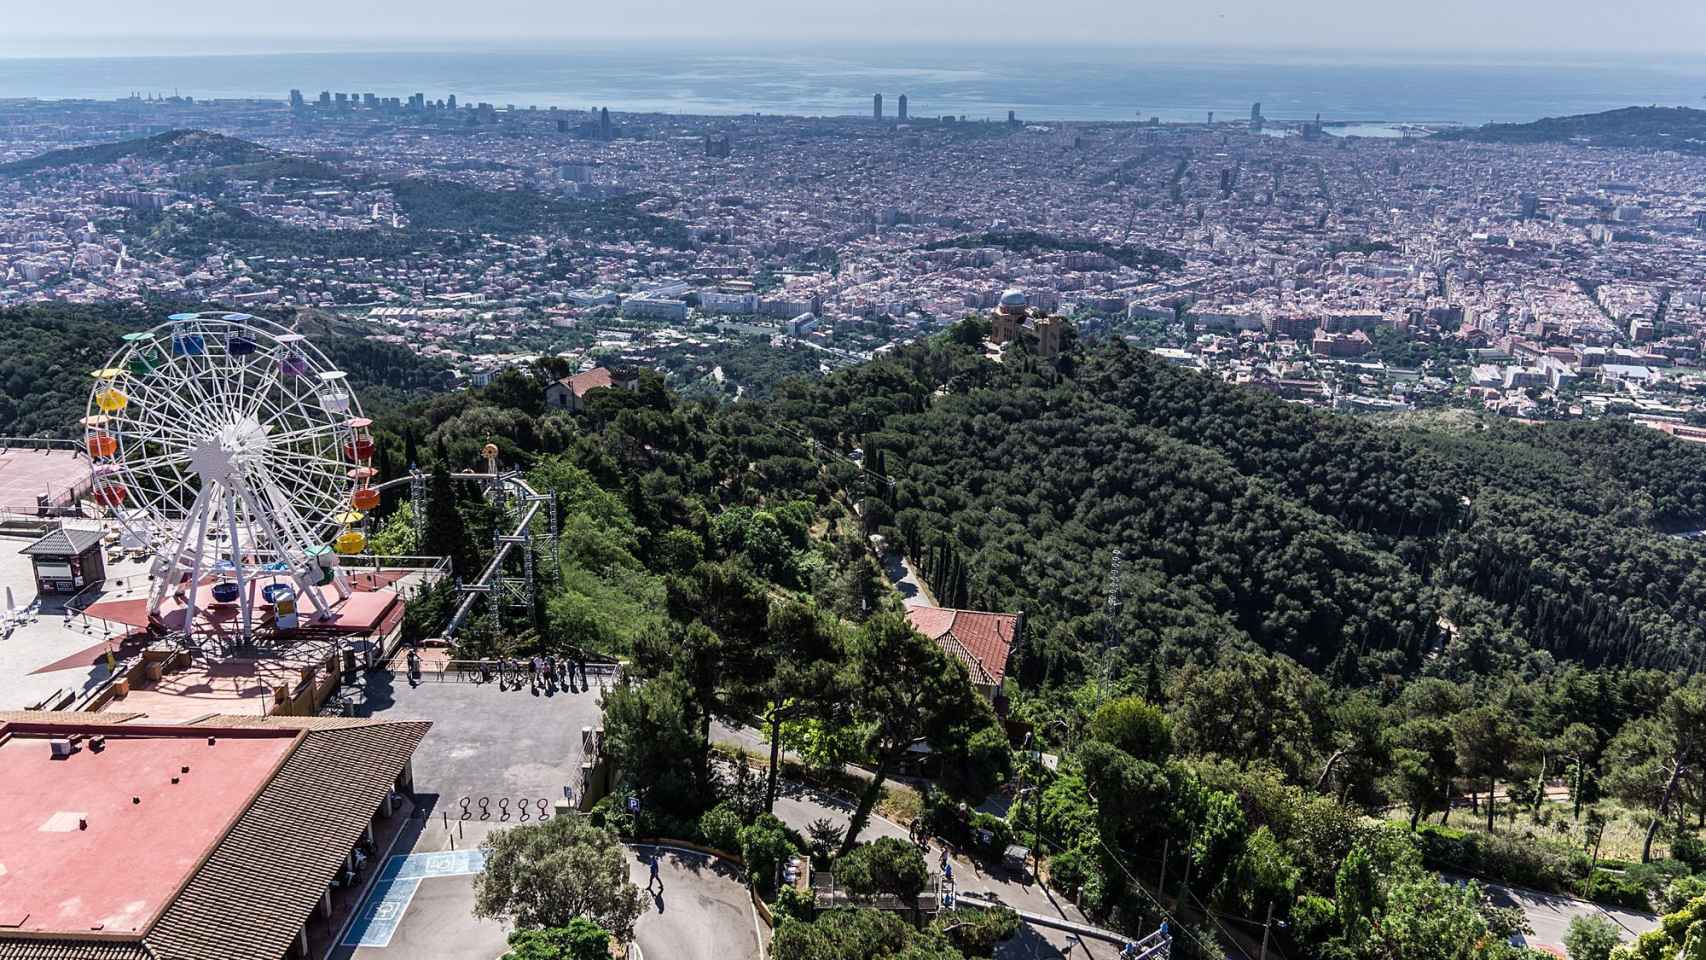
point(44, 374)
point(436, 208)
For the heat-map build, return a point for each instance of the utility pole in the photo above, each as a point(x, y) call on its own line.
point(1267, 927)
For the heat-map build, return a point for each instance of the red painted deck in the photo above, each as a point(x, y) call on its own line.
point(120, 870)
point(27, 474)
point(361, 613)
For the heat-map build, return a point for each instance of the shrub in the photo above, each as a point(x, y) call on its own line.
point(721, 827)
point(1618, 890)
point(1068, 870)
point(1678, 893)
point(886, 865)
point(1530, 862)
point(791, 904)
point(1591, 938)
point(580, 940)
point(764, 844)
point(1691, 850)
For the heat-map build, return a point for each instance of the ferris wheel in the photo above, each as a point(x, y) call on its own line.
point(233, 451)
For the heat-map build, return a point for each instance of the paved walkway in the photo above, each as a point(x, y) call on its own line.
point(911, 586)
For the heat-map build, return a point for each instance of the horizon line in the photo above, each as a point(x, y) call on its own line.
point(511, 44)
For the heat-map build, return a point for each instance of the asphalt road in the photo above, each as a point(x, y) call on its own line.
point(1550, 914)
point(703, 911)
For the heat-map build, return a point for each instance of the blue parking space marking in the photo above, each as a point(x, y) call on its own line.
point(382, 912)
point(423, 866)
point(376, 923)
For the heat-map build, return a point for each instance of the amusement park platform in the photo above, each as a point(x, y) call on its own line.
point(29, 475)
point(58, 658)
point(46, 656)
point(363, 613)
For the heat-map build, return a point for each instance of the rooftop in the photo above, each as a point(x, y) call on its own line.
point(104, 857)
point(982, 641)
point(65, 542)
point(102, 839)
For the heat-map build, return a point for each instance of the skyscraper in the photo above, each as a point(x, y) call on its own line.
point(1256, 112)
point(900, 107)
point(877, 107)
point(604, 123)
point(296, 99)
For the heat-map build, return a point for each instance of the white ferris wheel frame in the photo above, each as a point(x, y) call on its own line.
point(233, 460)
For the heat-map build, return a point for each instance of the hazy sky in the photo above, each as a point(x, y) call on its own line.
point(1536, 27)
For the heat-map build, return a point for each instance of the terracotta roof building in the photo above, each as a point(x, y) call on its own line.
point(569, 392)
point(218, 840)
point(981, 641)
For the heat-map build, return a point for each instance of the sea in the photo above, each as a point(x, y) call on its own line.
point(1379, 92)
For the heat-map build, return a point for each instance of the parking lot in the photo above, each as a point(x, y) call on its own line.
point(493, 748)
point(491, 758)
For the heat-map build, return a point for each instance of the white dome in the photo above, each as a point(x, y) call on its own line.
point(1013, 298)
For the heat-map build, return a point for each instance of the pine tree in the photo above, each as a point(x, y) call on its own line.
point(446, 535)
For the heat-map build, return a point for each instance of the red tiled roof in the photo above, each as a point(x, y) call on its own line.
point(982, 641)
point(592, 379)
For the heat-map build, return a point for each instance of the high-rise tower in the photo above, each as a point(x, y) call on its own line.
point(900, 107)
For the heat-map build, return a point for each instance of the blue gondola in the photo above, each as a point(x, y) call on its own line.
point(189, 345)
point(225, 592)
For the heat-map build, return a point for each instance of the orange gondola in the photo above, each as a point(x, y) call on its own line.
point(110, 494)
point(365, 498)
point(101, 445)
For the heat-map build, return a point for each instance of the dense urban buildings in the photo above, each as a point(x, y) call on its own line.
point(1365, 272)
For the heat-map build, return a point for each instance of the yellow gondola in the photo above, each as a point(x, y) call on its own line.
point(111, 400)
point(350, 542)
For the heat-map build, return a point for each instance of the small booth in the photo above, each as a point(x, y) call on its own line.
point(67, 559)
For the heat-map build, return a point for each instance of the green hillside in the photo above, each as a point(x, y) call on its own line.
point(197, 147)
point(1657, 128)
point(44, 376)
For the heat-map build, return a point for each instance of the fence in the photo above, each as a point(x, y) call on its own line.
point(827, 896)
point(487, 671)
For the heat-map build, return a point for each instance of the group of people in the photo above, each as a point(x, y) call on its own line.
point(541, 673)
